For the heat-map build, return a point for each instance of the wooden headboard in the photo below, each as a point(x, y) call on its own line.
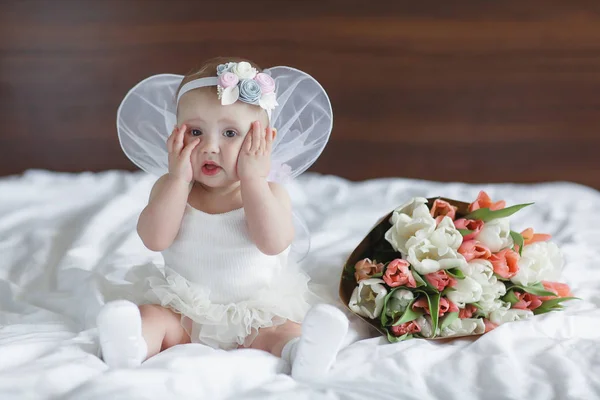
point(473, 91)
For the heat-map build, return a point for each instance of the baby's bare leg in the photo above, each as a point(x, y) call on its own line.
point(161, 328)
point(275, 338)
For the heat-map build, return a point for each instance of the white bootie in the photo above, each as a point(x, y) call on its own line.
point(120, 333)
point(312, 354)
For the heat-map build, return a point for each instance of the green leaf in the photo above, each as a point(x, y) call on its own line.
point(518, 240)
point(552, 305)
point(394, 339)
point(511, 297)
point(456, 273)
point(448, 319)
point(536, 289)
point(384, 318)
point(409, 315)
point(465, 232)
point(434, 309)
point(418, 278)
point(485, 214)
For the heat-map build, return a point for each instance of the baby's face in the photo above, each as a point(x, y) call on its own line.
point(221, 130)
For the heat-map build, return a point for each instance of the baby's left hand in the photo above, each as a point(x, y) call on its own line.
point(254, 160)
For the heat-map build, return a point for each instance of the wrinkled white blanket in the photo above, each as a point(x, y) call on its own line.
point(65, 239)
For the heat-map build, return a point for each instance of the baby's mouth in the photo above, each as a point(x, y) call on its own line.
point(210, 168)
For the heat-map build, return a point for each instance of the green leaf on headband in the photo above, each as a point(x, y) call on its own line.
point(465, 232)
point(485, 214)
point(552, 305)
point(536, 289)
point(510, 297)
point(518, 240)
point(455, 273)
point(418, 278)
point(409, 315)
point(394, 339)
point(448, 319)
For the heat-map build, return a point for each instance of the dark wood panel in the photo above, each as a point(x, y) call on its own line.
point(462, 91)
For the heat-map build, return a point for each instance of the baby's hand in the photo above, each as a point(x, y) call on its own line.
point(254, 160)
point(180, 165)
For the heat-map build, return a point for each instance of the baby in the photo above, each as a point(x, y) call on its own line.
point(225, 233)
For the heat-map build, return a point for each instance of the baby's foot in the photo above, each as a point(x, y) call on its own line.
point(120, 333)
point(323, 332)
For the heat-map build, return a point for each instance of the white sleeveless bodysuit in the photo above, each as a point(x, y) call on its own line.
point(224, 287)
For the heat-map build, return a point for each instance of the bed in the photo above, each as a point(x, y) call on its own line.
point(429, 99)
point(68, 244)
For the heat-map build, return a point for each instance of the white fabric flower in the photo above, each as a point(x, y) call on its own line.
point(244, 70)
point(229, 95)
point(504, 315)
point(495, 235)
point(368, 297)
point(268, 101)
point(541, 261)
point(467, 290)
point(408, 220)
point(464, 327)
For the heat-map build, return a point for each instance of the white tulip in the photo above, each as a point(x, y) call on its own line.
point(495, 235)
point(409, 220)
point(464, 327)
point(368, 297)
point(467, 290)
point(503, 315)
point(541, 261)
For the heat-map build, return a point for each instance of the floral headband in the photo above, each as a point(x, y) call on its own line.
point(239, 81)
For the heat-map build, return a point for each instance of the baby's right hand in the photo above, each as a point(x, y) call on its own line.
point(180, 164)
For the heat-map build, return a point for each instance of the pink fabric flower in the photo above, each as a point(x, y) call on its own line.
point(474, 225)
point(527, 301)
point(266, 83)
point(407, 327)
point(364, 269)
point(484, 201)
point(561, 290)
point(473, 249)
point(442, 208)
point(440, 280)
point(467, 312)
point(398, 274)
point(505, 263)
point(228, 79)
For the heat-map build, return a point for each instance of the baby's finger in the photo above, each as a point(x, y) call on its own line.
point(247, 142)
point(269, 139)
point(187, 151)
point(256, 136)
point(170, 139)
point(178, 141)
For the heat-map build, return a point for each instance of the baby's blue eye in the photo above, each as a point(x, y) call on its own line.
point(196, 132)
point(229, 133)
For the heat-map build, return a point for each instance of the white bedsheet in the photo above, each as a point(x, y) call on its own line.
point(66, 238)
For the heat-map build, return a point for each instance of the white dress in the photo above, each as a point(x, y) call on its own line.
point(224, 287)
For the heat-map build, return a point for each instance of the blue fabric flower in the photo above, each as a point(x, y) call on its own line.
point(249, 91)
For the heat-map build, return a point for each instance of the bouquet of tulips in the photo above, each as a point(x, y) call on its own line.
point(439, 268)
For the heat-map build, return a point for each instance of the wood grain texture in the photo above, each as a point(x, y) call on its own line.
point(455, 91)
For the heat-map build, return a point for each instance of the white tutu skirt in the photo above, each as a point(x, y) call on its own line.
point(228, 326)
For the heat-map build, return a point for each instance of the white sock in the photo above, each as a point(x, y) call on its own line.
point(120, 333)
point(312, 354)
